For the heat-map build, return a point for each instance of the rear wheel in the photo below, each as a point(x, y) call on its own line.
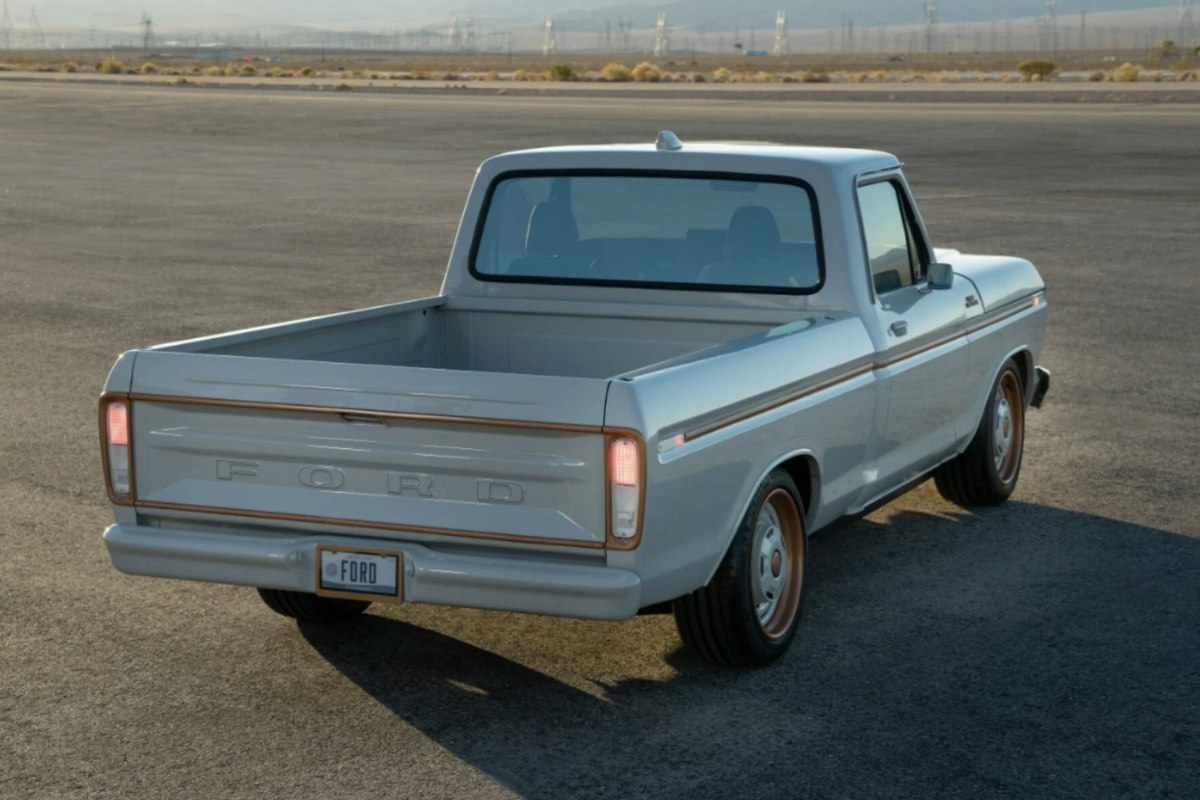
point(310, 607)
point(748, 614)
point(986, 473)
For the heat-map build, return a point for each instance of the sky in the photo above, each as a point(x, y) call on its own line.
point(712, 13)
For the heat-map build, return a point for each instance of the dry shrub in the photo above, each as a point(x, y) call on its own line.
point(616, 72)
point(148, 68)
point(881, 75)
point(343, 87)
point(110, 66)
point(722, 75)
point(276, 72)
point(306, 72)
point(492, 76)
point(696, 77)
point(858, 77)
point(1127, 73)
point(1096, 77)
point(646, 72)
point(248, 70)
point(1040, 68)
point(213, 70)
point(818, 75)
point(70, 66)
point(231, 69)
point(180, 80)
point(562, 72)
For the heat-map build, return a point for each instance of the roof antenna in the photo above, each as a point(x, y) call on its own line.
point(668, 141)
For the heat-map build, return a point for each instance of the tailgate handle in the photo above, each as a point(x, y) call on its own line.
point(364, 419)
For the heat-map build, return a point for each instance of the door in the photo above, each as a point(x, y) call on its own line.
point(924, 358)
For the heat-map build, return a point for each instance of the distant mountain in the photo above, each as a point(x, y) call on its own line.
point(715, 14)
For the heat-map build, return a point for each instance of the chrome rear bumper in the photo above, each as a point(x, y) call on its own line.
point(430, 576)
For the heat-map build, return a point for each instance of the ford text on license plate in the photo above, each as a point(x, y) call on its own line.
point(359, 574)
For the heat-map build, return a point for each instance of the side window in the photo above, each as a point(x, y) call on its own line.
point(895, 262)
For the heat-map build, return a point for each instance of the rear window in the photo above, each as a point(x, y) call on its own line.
point(709, 232)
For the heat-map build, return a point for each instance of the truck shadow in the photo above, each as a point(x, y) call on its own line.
point(1026, 651)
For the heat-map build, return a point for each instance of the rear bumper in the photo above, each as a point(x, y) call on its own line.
point(430, 576)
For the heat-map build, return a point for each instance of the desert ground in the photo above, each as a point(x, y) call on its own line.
point(1044, 649)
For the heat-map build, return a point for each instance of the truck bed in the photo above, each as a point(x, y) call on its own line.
point(483, 336)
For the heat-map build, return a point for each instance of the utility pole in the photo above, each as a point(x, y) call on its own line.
point(662, 43)
point(1185, 23)
point(550, 43)
point(931, 11)
point(1083, 30)
point(781, 34)
point(6, 29)
point(147, 33)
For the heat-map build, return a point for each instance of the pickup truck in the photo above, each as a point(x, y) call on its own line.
point(652, 371)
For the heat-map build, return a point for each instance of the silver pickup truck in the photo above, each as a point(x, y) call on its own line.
point(652, 371)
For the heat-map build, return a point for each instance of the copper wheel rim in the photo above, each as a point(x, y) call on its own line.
point(777, 564)
point(1008, 427)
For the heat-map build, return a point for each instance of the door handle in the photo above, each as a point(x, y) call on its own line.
point(900, 328)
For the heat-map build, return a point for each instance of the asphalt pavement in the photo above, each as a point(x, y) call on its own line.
point(1049, 648)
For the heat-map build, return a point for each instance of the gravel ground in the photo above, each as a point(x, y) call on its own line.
point(1045, 649)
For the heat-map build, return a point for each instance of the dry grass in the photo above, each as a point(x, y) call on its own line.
point(1127, 73)
point(646, 72)
point(110, 66)
point(616, 72)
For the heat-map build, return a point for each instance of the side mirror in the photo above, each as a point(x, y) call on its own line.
point(941, 276)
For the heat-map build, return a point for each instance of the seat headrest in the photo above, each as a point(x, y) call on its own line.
point(753, 233)
point(552, 230)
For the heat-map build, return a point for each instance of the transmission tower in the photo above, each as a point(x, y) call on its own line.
point(454, 38)
point(626, 29)
point(1052, 25)
point(147, 32)
point(37, 38)
point(470, 38)
point(781, 34)
point(6, 29)
point(550, 44)
point(931, 22)
point(662, 43)
point(1185, 22)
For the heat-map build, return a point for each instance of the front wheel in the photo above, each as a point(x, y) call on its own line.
point(986, 473)
point(748, 614)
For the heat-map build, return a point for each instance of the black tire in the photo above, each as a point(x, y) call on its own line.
point(981, 476)
point(721, 622)
point(310, 607)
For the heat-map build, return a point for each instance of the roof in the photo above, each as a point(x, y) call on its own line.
point(692, 155)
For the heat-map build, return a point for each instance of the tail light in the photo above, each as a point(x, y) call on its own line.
point(115, 430)
point(625, 486)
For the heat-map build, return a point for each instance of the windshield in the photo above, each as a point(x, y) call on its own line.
point(718, 233)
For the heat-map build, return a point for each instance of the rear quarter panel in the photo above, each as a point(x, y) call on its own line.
point(738, 420)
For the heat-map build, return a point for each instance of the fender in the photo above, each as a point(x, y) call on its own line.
point(810, 514)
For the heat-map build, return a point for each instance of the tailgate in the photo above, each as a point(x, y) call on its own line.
point(401, 450)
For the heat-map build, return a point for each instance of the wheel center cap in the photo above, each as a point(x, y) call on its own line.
point(776, 564)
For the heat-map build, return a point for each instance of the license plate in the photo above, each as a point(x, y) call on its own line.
point(358, 574)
